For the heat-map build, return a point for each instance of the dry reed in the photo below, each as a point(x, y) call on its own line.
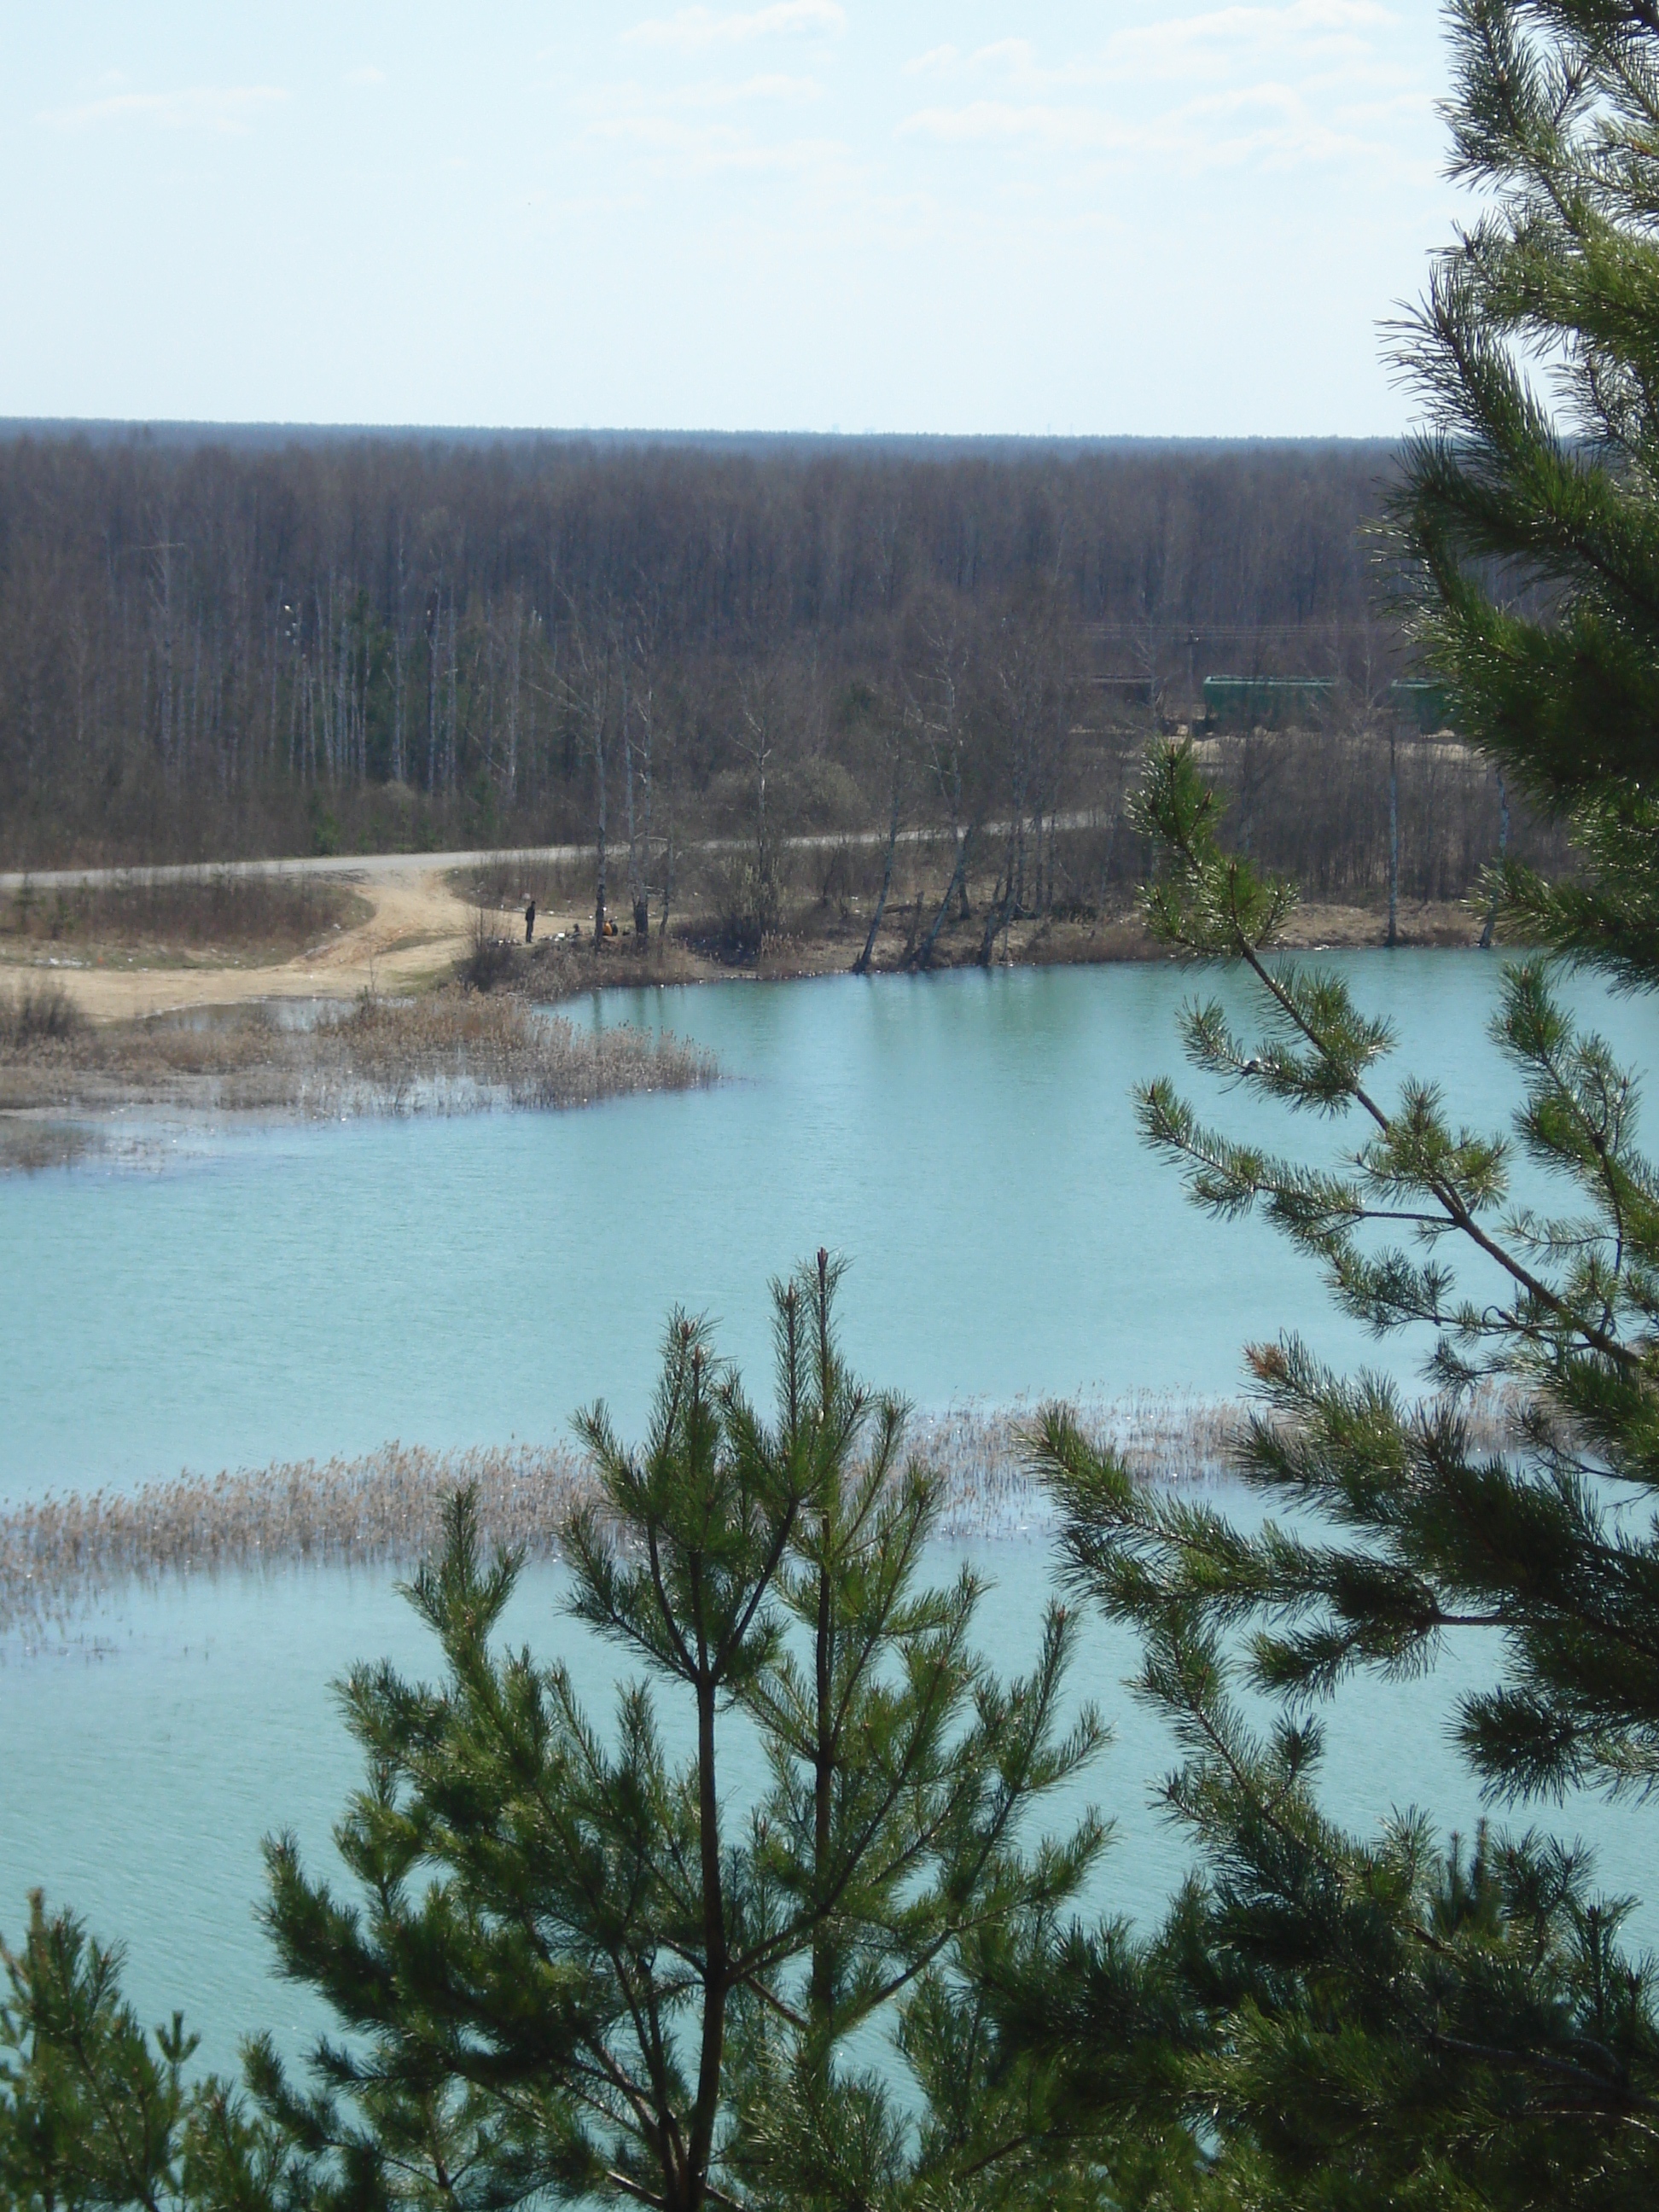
point(59, 1553)
point(454, 1052)
point(38, 1015)
point(989, 1490)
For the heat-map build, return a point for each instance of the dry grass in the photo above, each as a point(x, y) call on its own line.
point(505, 880)
point(1162, 1436)
point(38, 1015)
point(989, 1491)
point(58, 1554)
point(270, 916)
point(454, 1052)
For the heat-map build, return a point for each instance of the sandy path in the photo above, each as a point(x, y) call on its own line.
point(417, 929)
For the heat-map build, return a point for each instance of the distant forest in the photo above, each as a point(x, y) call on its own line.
point(225, 645)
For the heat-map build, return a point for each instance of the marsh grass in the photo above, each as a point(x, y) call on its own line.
point(37, 1014)
point(453, 1052)
point(275, 915)
point(59, 1553)
point(981, 1452)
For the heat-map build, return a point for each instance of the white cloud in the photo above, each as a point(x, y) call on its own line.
point(775, 87)
point(981, 122)
point(223, 110)
point(938, 60)
point(367, 74)
point(1308, 81)
point(1306, 30)
point(1269, 123)
point(1314, 29)
point(707, 149)
point(692, 28)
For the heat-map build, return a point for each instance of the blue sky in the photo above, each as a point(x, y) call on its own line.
point(1142, 219)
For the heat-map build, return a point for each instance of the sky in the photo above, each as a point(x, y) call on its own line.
point(1134, 219)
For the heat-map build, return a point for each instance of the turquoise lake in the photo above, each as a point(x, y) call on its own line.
point(968, 1141)
point(240, 1296)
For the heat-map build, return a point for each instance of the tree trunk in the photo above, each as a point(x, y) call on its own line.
point(700, 2147)
point(454, 713)
point(599, 794)
point(861, 965)
point(515, 653)
point(958, 884)
point(667, 879)
point(1001, 910)
point(635, 900)
point(432, 612)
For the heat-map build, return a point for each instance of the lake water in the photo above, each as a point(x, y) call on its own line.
point(968, 1141)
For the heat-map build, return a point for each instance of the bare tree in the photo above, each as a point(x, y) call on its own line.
point(941, 686)
point(896, 747)
point(588, 686)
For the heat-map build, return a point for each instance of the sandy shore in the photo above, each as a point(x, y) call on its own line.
point(417, 928)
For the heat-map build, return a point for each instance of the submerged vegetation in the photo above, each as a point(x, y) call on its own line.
point(454, 1052)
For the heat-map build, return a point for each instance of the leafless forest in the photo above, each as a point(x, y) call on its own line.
point(242, 646)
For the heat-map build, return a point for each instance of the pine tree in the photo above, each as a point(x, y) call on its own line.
point(96, 2114)
point(1399, 2021)
point(1390, 2022)
point(577, 1966)
point(1530, 553)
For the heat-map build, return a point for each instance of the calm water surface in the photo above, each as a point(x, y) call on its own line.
point(968, 1141)
point(145, 1758)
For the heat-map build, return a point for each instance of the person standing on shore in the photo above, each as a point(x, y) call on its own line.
point(529, 919)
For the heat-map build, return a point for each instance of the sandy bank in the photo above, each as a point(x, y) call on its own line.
point(418, 927)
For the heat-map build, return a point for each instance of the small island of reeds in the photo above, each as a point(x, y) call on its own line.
point(455, 1051)
point(60, 1553)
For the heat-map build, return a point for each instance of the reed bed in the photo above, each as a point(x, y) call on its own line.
point(989, 1490)
point(454, 1052)
point(59, 1554)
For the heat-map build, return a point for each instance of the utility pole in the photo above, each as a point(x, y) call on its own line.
point(1394, 830)
point(1502, 848)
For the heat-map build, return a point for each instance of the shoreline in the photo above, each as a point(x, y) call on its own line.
point(1109, 942)
point(296, 1044)
point(423, 923)
point(66, 1084)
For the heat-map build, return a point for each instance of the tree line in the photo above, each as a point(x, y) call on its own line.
point(224, 647)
